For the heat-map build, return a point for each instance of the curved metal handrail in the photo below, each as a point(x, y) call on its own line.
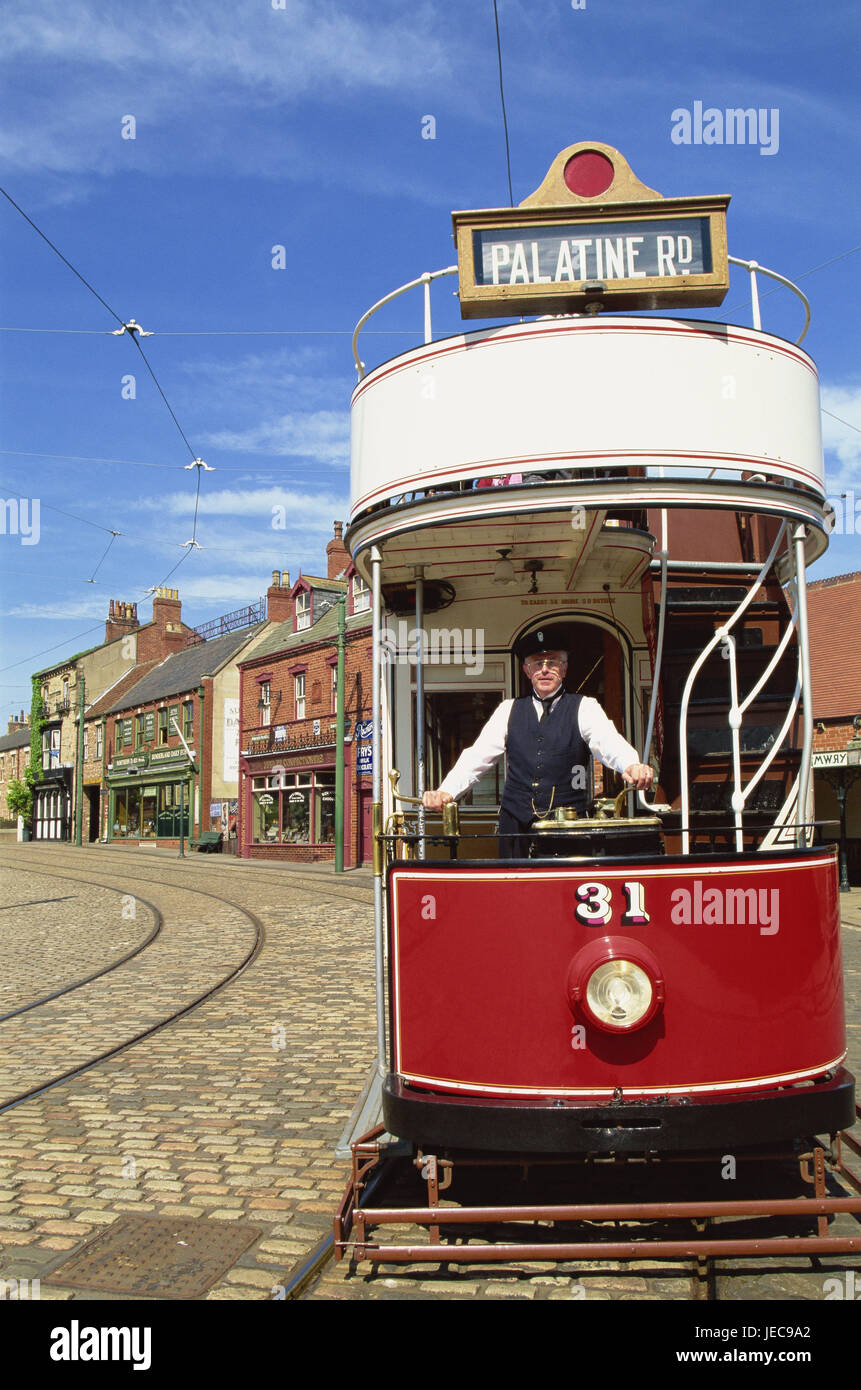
point(752, 267)
point(425, 280)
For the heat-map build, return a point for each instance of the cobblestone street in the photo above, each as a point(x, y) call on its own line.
point(232, 1113)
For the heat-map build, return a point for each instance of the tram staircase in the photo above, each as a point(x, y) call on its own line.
point(696, 606)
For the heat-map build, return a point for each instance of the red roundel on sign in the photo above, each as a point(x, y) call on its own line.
point(589, 173)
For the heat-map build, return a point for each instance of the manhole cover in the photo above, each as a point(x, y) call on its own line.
point(157, 1257)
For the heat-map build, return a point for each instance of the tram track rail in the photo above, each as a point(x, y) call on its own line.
point(160, 1025)
point(96, 974)
point(315, 884)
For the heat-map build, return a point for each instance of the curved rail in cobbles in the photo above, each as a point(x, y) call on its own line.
point(30, 1042)
point(105, 969)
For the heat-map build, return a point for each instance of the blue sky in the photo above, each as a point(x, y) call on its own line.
point(301, 127)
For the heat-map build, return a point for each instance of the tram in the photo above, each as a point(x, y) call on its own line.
point(662, 973)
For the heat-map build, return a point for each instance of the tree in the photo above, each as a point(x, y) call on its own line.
point(19, 799)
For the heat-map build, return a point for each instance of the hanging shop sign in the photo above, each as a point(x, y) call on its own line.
point(591, 238)
point(364, 747)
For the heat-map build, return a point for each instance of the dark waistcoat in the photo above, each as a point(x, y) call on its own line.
point(543, 759)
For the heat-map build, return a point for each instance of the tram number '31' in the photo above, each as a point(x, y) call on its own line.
point(595, 909)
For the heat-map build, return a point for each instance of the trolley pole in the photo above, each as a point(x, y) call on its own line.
point(181, 817)
point(79, 765)
point(339, 739)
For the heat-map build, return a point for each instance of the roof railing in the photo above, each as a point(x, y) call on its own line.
point(425, 280)
point(753, 269)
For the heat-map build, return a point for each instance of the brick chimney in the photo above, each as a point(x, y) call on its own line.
point(16, 725)
point(167, 620)
point(279, 604)
point(122, 618)
point(337, 555)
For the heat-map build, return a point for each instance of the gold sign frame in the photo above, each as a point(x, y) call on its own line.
point(626, 201)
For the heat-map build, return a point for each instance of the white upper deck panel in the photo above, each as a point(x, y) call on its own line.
point(590, 396)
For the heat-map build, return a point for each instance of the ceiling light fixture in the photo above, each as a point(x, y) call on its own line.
point(504, 571)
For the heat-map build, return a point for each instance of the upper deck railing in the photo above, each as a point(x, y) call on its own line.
point(752, 267)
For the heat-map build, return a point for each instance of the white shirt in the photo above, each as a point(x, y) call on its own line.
point(598, 731)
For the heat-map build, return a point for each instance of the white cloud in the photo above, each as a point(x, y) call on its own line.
point(842, 442)
point(301, 507)
point(87, 67)
point(322, 435)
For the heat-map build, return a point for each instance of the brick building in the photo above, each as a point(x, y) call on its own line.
point(834, 607)
point(150, 788)
point(287, 720)
point(14, 757)
point(128, 643)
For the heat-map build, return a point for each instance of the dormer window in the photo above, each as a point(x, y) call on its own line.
point(303, 611)
point(361, 595)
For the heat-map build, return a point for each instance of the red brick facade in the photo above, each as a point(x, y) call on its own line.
point(280, 743)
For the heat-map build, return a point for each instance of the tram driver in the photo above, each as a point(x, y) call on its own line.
point(548, 736)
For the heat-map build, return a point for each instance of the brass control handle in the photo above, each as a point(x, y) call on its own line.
point(394, 778)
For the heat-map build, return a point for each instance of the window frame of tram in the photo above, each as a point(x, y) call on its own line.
point(292, 805)
point(149, 811)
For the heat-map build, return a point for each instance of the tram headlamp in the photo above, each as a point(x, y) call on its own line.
point(619, 994)
point(616, 983)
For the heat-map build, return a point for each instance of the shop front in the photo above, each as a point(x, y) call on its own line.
point(52, 805)
point(150, 796)
point(289, 807)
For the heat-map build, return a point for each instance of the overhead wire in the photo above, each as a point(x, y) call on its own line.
point(502, 100)
point(132, 332)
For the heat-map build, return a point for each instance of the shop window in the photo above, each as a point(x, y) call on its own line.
point(293, 808)
point(264, 816)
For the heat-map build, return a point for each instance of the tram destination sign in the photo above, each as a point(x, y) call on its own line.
point(622, 256)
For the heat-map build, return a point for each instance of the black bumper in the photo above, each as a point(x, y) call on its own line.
point(671, 1124)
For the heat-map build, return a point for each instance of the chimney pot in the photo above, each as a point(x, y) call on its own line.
point(276, 579)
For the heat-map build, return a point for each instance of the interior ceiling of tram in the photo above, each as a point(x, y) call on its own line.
point(575, 549)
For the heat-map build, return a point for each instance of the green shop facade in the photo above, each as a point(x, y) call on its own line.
point(151, 794)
